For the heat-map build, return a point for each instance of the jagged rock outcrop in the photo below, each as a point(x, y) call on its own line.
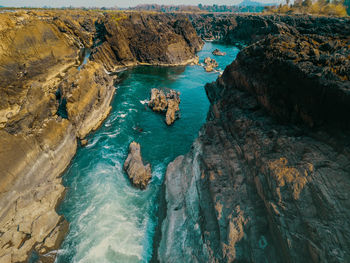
point(217, 52)
point(237, 28)
point(48, 100)
point(267, 180)
point(210, 64)
point(146, 39)
point(158, 101)
point(168, 103)
point(138, 173)
point(173, 110)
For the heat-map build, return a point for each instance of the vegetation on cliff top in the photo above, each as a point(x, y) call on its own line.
point(319, 7)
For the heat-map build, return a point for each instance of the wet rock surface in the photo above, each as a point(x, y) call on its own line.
point(138, 173)
point(267, 180)
point(168, 103)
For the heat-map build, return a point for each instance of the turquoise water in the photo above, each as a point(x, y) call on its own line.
point(111, 221)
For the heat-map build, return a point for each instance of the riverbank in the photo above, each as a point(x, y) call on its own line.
point(48, 103)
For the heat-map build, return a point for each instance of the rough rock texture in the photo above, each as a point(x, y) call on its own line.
point(210, 64)
point(173, 111)
point(146, 39)
point(48, 100)
point(310, 78)
point(268, 178)
point(139, 174)
point(235, 29)
point(217, 52)
point(168, 103)
point(158, 101)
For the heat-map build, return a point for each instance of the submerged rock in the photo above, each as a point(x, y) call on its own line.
point(168, 103)
point(217, 52)
point(139, 174)
point(210, 64)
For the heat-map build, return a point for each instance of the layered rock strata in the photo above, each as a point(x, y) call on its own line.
point(138, 173)
point(267, 180)
point(47, 102)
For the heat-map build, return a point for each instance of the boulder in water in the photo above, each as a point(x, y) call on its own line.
point(173, 110)
point(168, 103)
point(158, 101)
point(217, 52)
point(138, 173)
point(210, 64)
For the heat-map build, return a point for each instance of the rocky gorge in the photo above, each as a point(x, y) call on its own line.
point(267, 179)
point(48, 102)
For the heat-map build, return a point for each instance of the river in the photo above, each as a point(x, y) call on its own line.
point(110, 220)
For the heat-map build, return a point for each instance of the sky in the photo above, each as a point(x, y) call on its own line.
point(118, 3)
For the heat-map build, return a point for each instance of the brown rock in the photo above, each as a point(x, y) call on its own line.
point(170, 103)
point(139, 174)
point(173, 99)
point(83, 142)
point(158, 101)
point(217, 52)
point(210, 64)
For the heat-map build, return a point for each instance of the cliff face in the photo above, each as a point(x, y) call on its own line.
point(267, 180)
point(47, 102)
point(136, 38)
point(251, 28)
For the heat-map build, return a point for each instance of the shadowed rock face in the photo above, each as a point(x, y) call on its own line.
point(251, 28)
point(297, 78)
point(267, 180)
point(47, 102)
point(139, 174)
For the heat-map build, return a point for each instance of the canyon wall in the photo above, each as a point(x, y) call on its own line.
point(239, 28)
point(268, 178)
point(49, 100)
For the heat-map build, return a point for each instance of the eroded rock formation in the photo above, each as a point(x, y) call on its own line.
point(144, 39)
point(47, 102)
point(210, 64)
point(168, 103)
point(138, 173)
point(268, 178)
